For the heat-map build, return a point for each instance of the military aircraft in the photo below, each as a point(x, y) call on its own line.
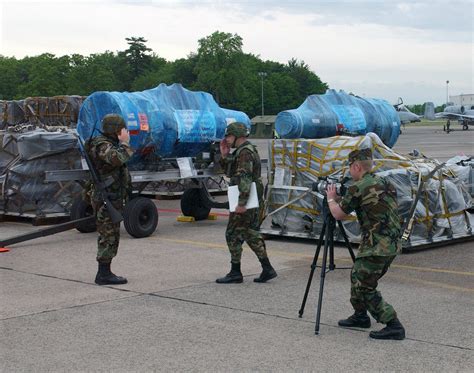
point(406, 116)
point(463, 114)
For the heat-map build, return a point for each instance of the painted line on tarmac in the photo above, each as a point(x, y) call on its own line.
point(178, 212)
point(434, 283)
point(135, 293)
point(427, 269)
point(437, 270)
point(344, 259)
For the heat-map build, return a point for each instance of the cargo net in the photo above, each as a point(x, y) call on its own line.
point(434, 198)
point(40, 112)
point(24, 158)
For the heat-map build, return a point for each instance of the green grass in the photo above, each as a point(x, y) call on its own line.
point(426, 122)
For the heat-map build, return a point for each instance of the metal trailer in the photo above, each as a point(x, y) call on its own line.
point(140, 215)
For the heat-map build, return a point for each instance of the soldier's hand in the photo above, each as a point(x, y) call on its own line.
point(331, 191)
point(124, 136)
point(224, 147)
point(240, 209)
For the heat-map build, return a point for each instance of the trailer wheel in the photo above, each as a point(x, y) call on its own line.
point(191, 205)
point(140, 217)
point(81, 209)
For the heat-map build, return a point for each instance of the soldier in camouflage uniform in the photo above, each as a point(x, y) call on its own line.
point(243, 167)
point(374, 200)
point(109, 154)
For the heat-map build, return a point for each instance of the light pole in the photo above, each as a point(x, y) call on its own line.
point(447, 97)
point(262, 75)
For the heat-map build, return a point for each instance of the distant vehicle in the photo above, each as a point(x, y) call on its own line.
point(463, 114)
point(406, 116)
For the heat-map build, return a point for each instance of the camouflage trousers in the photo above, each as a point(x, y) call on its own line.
point(244, 228)
point(364, 280)
point(109, 233)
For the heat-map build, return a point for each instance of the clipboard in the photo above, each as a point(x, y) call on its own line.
point(233, 196)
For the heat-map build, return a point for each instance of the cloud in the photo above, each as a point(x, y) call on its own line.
point(363, 46)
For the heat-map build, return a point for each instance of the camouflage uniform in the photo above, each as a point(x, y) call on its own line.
point(243, 167)
point(375, 201)
point(109, 158)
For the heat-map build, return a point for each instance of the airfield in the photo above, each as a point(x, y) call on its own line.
point(172, 316)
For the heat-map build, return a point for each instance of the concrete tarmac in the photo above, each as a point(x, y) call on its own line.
point(172, 316)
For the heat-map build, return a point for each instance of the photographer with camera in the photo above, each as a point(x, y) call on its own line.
point(375, 202)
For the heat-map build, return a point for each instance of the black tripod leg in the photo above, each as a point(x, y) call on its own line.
point(346, 239)
point(313, 267)
point(331, 265)
point(323, 276)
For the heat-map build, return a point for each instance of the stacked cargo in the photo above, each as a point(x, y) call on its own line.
point(437, 205)
point(24, 191)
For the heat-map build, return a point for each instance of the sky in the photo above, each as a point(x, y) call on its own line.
point(381, 49)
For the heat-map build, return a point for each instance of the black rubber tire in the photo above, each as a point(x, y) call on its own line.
point(140, 217)
point(81, 209)
point(191, 205)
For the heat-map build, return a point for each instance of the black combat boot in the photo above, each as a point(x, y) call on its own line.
point(393, 330)
point(359, 319)
point(106, 277)
point(233, 277)
point(268, 272)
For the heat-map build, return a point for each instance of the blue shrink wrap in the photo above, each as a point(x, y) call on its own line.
point(168, 121)
point(327, 115)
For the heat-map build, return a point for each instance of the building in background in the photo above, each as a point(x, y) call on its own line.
point(462, 99)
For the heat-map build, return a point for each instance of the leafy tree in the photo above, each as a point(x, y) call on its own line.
point(136, 56)
point(218, 66)
point(309, 83)
point(9, 77)
point(96, 72)
point(43, 75)
point(417, 109)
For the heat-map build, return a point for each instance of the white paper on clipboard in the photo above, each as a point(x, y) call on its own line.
point(233, 196)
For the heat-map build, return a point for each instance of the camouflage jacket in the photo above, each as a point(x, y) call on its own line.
point(109, 158)
point(374, 200)
point(243, 167)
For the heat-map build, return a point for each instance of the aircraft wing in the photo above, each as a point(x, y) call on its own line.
point(454, 116)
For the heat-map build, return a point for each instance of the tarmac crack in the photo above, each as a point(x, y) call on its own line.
point(138, 294)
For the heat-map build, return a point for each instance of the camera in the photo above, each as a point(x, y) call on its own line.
point(321, 186)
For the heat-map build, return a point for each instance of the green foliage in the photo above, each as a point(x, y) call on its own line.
point(219, 67)
point(417, 109)
point(135, 56)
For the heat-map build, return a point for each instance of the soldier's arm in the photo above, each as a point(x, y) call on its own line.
point(244, 175)
point(115, 155)
point(225, 162)
point(349, 203)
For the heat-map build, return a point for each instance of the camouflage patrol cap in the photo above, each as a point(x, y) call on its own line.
point(360, 155)
point(112, 123)
point(237, 129)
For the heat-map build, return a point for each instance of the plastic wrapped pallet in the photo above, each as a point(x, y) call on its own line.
point(334, 112)
point(440, 212)
point(24, 191)
point(168, 121)
point(11, 113)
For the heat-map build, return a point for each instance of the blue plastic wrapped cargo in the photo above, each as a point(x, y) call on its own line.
point(324, 115)
point(169, 121)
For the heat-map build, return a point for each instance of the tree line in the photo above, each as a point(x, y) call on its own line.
point(219, 67)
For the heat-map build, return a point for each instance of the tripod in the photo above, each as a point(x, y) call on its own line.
point(326, 236)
